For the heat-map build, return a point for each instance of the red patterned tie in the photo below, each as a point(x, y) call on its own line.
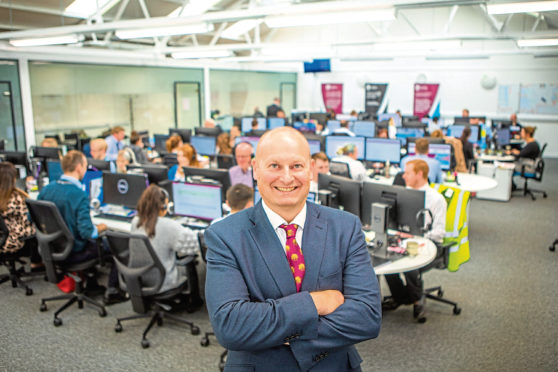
point(294, 255)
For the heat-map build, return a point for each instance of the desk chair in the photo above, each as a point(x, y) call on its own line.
point(205, 339)
point(552, 248)
point(532, 170)
point(142, 280)
point(10, 259)
point(339, 169)
point(225, 161)
point(55, 245)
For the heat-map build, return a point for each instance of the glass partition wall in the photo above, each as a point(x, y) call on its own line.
point(11, 115)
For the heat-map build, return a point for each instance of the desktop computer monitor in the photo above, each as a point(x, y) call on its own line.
point(440, 152)
point(333, 125)
point(320, 117)
point(457, 130)
point(343, 192)
point(204, 145)
point(334, 144)
point(501, 123)
point(364, 128)
point(503, 136)
point(16, 158)
point(415, 124)
point(383, 150)
point(54, 170)
point(273, 123)
point(431, 140)
point(101, 165)
point(405, 206)
point(155, 173)
point(160, 142)
point(308, 126)
point(404, 133)
point(2, 144)
point(225, 122)
point(461, 120)
point(46, 152)
point(386, 117)
point(182, 132)
point(219, 177)
point(251, 140)
point(123, 189)
point(315, 146)
point(197, 200)
point(246, 124)
point(210, 132)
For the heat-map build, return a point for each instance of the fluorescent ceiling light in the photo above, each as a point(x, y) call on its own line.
point(528, 7)
point(85, 8)
point(330, 18)
point(418, 45)
point(537, 42)
point(199, 28)
point(202, 54)
point(240, 28)
point(66, 39)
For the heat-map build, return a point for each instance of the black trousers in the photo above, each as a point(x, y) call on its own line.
point(90, 252)
point(405, 294)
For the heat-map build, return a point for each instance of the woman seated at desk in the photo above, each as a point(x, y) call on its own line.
point(531, 150)
point(166, 236)
point(187, 157)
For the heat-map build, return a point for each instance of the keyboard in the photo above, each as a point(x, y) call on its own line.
point(115, 217)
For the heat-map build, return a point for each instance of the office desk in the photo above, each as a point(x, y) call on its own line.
point(473, 182)
point(502, 173)
point(115, 225)
point(492, 158)
point(381, 180)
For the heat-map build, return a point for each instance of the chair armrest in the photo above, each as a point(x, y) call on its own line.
point(186, 260)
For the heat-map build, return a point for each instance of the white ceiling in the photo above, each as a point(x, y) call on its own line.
point(458, 28)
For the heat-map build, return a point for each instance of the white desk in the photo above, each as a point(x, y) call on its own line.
point(502, 173)
point(473, 182)
point(493, 158)
point(115, 225)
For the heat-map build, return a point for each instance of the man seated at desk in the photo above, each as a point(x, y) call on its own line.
point(416, 173)
point(349, 156)
point(435, 169)
point(242, 172)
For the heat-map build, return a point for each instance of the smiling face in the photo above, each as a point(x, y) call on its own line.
point(283, 169)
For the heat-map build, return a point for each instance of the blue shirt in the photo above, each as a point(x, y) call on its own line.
point(434, 167)
point(113, 147)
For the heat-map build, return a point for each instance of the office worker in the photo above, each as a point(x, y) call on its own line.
point(343, 129)
point(187, 157)
point(73, 204)
point(273, 108)
point(224, 144)
point(49, 142)
point(415, 176)
point(253, 127)
point(137, 146)
point(465, 113)
point(468, 152)
point(382, 133)
point(122, 161)
point(234, 132)
point(98, 149)
point(305, 314)
point(173, 143)
point(349, 155)
point(321, 165)
point(238, 198)
point(515, 123)
point(242, 171)
point(257, 113)
point(421, 148)
point(531, 149)
point(460, 164)
point(114, 142)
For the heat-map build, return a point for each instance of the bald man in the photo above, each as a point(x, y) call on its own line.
point(290, 285)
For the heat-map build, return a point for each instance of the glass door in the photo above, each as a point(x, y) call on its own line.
point(7, 123)
point(187, 104)
point(288, 97)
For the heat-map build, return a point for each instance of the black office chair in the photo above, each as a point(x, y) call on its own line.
point(225, 161)
point(55, 245)
point(142, 274)
point(531, 171)
point(339, 169)
point(205, 339)
point(10, 259)
point(398, 180)
point(552, 248)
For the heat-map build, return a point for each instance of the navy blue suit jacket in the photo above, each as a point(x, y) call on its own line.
point(252, 300)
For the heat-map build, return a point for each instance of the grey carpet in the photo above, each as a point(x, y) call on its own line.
point(508, 292)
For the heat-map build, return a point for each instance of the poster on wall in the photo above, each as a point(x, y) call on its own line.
point(374, 95)
point(508, 98)
point(425, 96)
point(332, 95)
point(539, 99)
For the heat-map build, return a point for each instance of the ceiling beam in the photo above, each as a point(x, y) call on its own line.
point(37, 9)
point(400, 14)
point(452, 14)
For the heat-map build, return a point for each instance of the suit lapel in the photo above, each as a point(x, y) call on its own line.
point(273, 254)
point(313, 246)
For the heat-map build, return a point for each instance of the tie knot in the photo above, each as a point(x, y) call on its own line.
point(290, 229)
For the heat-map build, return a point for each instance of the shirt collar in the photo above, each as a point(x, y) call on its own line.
point(277, 220)
point(70, 179)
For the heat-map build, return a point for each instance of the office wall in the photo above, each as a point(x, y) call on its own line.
point(11, 109)
point(70, 96)
point(460, 86)
point(237, 92)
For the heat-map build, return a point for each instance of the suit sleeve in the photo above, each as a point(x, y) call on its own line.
point(242, 324)
point(358, 319)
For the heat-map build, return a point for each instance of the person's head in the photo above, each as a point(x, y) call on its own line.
point(421, 146)
point(240, 197)
point(209, 123)
point(74, 164)
point(513, 118)
point(465, 113)
point(235, 131)
point(344, 124)
point(281, 114)
point(416, 173)
point(437, 134)
point(528, 132)
point(349, 150)
point(382, 133)
point(8, 177)
point(152, 205)
point(98, 148)
point(122, 161)
point(186, 156)
point(243, 155)
point(276, 101)
point(118, 133)
point(398, 112)
point(465, 134)
point(255, 124)
point(321, 165)
point(49, 142)
point(136, 139)
point(354, 114)
point(224, 143)
point(257, 110)
point(173, 143)
point(435, 119)
point(283, 169)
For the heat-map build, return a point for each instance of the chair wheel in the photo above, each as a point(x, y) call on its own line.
point(195, 330)
point(440, 293)
point(204, 341)
point(43, 307)
point(544, 195)
point(456, 310)
point(118, 328)
point(552, 248)
point(57, 322)
point(28, 291)
point(102, 313)
point(144, 343)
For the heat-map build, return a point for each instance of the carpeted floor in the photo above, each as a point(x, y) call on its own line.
point(508, 292)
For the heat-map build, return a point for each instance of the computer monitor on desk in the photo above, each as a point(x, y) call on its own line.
point(364, 128)
point(503, 137)
point(17, 158)
point(101, 165)
point(440, 152)
point(204, 145)
point(457, 130)
point(156, 173)
point(273, 123)
point(404, 133)
point(219, 177)
point(334, 144)
point(123, 189)
point(246, 124)
point(45, 153)
point(315, 146)
point(161, 142)
point(333, 125)
point(251, 140)
point(200, 201)
point(336, 192)
point(383, 150)
point(185, 134)
point(211, 132)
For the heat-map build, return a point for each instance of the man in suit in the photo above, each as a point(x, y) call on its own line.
point(274, 108)
point(290, 286)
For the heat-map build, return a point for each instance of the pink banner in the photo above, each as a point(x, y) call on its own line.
point(425, 95)
point(333, 97)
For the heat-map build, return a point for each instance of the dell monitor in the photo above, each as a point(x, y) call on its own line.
point(383, 150)
point(155, 173)
point(440, 152)
point(415, 124)
point(200, 201)
point(457, 130)
point(204, 145)
point(246, 124)
point(273, 123)
point(123, 189)
point(161, 142)
point(182, 132)
point(219, 177)
point(339, 192)
point(364, 128)
point(101, 165)
point(334, 144)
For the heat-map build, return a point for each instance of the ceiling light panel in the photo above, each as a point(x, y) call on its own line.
point(240, 28)
point(537, 42)
point(66, 39)
point(199, 28)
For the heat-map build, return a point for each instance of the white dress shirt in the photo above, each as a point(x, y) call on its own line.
point(277, 221)
point(356, 168)
point(436, 203)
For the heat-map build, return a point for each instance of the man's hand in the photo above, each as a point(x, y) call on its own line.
point(328, 301)
point(101, 227)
